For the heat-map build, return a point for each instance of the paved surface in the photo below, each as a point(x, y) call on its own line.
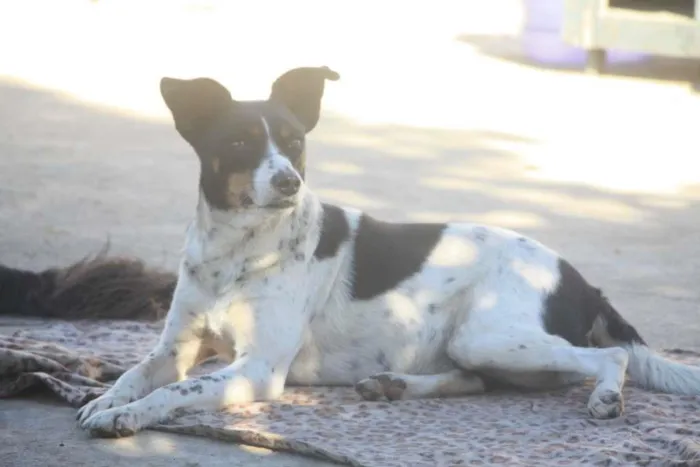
point(41, 433)
point(444, 114)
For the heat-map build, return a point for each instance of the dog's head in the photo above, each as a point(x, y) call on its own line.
point(252, 153)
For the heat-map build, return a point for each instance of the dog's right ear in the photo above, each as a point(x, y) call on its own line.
point(194, 103)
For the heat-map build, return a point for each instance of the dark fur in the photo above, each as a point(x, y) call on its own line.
point(98, 287)
point(572, 309)
point(388, 253)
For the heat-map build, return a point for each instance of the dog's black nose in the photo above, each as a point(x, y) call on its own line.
point(286, 182)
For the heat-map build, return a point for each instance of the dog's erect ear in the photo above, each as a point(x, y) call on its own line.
point(301, 90)
point(194, 103)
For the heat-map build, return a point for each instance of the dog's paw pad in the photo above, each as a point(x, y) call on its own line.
point(606, 404)
point(393, 386)
point(369, 389)
point(381, 385)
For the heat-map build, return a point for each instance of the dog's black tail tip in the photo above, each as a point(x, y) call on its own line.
point(98, 287)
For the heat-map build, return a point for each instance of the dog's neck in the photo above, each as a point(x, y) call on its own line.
point(250, 232)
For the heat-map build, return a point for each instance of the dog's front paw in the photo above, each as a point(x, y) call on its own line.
point(117, 422)
point(605, 403)
point(387, 385)
point(102, 403)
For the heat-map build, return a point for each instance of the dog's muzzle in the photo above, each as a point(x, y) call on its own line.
point(286, 183)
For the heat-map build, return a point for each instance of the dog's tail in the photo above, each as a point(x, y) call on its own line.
point(97, 287)
point(646, 367)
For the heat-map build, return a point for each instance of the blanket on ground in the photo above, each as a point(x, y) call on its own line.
point(77, 361)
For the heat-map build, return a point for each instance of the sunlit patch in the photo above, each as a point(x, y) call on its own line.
point(454, 251)
point(340, 168)
point(240, 317)
point(150, 443)
point(404, 309)
point(239, 389)
point(264, 262)
point(510, 219)
point(349, 198)
point(453, 85)
point(537, 275)
point(215, 164)
point(449, 183)
point(487, 301)
point(436, 216)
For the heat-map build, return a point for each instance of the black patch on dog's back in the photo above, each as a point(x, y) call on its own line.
point(334, 231)
point(388, 253)
point(573, 307)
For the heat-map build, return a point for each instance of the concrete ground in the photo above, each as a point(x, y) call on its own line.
point(445, 111)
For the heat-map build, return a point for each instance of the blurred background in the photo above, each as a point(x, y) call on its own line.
point(446, 110)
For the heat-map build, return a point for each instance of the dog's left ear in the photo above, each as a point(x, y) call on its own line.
point(301, 90)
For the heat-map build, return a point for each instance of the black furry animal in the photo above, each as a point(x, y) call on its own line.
point(97, 287)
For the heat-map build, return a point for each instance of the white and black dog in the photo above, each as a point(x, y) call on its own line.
point(295, 291)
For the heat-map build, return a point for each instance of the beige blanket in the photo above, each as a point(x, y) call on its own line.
point(76, 361)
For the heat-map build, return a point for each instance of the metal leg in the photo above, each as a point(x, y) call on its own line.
point(595, 61)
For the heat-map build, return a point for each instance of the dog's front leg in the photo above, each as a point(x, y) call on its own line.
point(176, 352)
point(258, 374)
point(246, 380)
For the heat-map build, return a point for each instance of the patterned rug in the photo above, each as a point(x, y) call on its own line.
point(76, 361)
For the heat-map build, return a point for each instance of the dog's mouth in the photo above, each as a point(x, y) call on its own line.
point(281, 203)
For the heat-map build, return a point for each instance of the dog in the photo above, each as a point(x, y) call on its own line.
point(290, 290)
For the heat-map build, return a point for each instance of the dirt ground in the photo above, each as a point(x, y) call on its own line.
point(452, 116)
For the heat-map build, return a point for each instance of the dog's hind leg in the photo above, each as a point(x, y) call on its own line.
point(523, 350)
point(396, 386)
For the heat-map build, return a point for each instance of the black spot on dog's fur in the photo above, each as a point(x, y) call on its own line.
point(573, 307)
point(388, 253)
point(334, 232)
